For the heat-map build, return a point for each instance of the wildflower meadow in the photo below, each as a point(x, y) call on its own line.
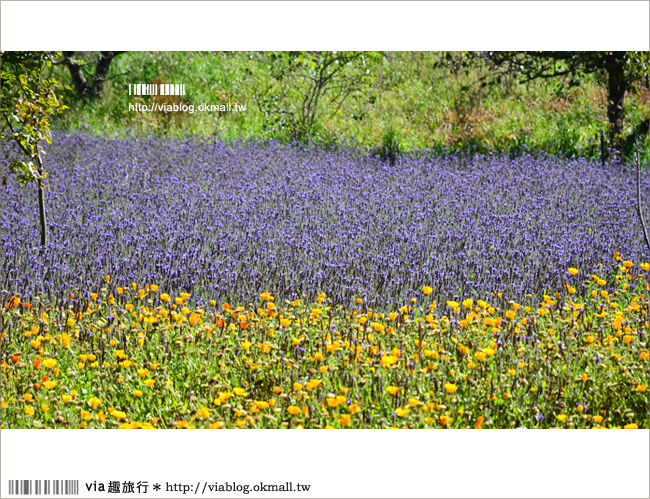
point(197, 283)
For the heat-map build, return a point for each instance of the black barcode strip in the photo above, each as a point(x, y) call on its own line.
point(156, 89)
point(43, 487)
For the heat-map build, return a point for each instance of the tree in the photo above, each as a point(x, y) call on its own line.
point(88, 85)
point(301, 81)
point(28, 102)
point(622, 71)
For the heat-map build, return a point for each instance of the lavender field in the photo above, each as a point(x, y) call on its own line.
point(200, 284)
point(231, 221)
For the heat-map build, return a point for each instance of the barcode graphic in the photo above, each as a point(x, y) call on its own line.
point(43, 487)
point(156, 89)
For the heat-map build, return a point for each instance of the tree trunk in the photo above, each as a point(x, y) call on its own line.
point(90, 90)
point(616, 87)
point(78, 79)
point(41, 199)
point(101, 72)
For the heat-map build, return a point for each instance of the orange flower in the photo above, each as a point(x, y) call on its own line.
point(293, 410)
point(479, 423)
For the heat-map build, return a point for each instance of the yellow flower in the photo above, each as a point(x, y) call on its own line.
point(246, 345)
point(573, 271)
point(511, 314)
point(631, 426)
point(137, 393)
point(585, 377)
point(28, 397)
point(427, 290)
point(561, 417)
point(49, 384)
point(378, 327)
point(45, 407)
point(293, 410)
point(641, 388)
point(316, 312)
point(49, 363)
point(480, 356)
point(216, 425)
point(589, 339)
point(149, 382)
point(354, 408)
point(203, 413)
point(94, 402)
point(450, 387)
point(29, 410)
point(388, 360)
point(402, 411)
point(628, 338)
point(345, 420)
point(413, 402)
point(627, 264)
point(239, 392)
point(598, 419)
point(285, 322)
point(297, 386)
point(66, 397)
point(512, 372)
point(118, 414)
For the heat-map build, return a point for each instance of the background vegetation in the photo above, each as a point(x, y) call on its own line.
point(397, 101)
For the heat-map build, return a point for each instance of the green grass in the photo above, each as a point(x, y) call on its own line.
point(419, 105)
point(135, 357)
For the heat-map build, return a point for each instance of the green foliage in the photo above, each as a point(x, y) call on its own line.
point(430, 103)
point(28, 103)
point(295, 85)
point(620, 70)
